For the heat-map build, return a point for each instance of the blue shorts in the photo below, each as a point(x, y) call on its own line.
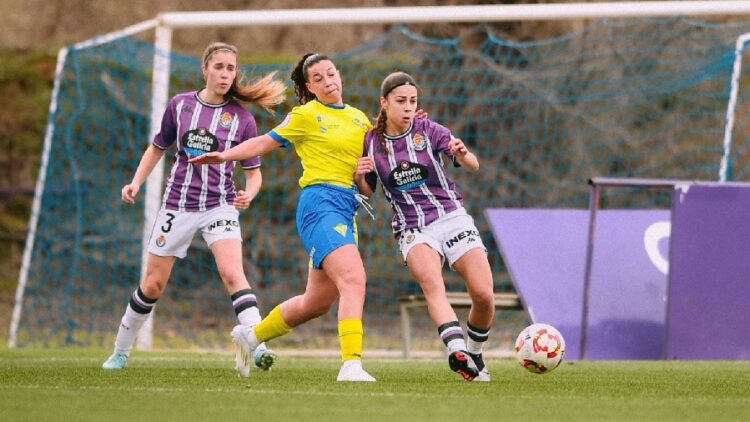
point(325, 220)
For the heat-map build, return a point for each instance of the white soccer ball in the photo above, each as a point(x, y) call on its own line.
point(540, 348)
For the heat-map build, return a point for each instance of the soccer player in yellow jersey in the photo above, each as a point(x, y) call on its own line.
point(328, 136)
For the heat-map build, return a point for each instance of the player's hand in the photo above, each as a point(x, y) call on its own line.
point(421, 114)
point(364, 165)
point(208, 158)
point(242, 200)
point(457, 147)
point(129, 192)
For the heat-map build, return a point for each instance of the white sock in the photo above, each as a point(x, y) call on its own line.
point(249, 317)
point(130, 325)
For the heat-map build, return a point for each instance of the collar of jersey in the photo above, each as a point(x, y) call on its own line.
point(200, 100)
point(401, 135)
point(341, 107)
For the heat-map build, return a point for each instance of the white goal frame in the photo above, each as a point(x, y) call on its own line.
point(164, 25)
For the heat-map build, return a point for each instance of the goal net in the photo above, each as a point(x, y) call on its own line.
point(637, 97)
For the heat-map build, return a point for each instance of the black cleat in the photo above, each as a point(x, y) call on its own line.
point(461, 363)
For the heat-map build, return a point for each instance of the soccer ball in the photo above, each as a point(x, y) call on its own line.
point(540, 348)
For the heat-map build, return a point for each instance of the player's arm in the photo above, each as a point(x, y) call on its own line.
point(150, 157)
point(464, 157)
point(364, 176)
point(253, 147)
point(253, 181)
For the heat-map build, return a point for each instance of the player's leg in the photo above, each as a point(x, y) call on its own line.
point(170, 238)
point(344, 267)
point(475, 270)
point(425, 265)
point(320, 294)
point(139, 308)
point(221, 230)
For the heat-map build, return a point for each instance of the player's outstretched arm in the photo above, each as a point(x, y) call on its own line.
point(253, 147)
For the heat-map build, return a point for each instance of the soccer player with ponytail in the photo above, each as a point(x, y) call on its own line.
point(429, 221)
point(327, 135)
point(201, 198)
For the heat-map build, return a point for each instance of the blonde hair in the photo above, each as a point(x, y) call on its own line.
point(265, 92)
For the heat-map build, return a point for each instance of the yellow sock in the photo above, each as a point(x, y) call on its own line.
point(272, 326)
point(351, 333)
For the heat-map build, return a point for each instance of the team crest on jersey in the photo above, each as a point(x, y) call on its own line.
point(409, 238)
point(226, 119)
point(408, 175)
point(341, 229)
point(419, 142)
point(161, 241)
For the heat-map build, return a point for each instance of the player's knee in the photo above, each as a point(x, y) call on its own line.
point(432, 284)
point(233, 280)
point(484, 301)
point(152, 288)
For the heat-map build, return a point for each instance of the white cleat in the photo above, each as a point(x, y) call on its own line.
point(117, 361)
point(484, 376)
point(352, 371)
point(245, 344)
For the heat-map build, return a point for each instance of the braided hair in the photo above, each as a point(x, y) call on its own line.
point(391, 82)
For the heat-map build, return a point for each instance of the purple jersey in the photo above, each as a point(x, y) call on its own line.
point(198, 127)
point(410, 167)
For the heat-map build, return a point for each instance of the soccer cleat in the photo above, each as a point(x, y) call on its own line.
point(264, 357)
point(116, 361)
point(484, 373)
point(245, 344)
point(461, 363)
point(484, 376)
point(352, 371)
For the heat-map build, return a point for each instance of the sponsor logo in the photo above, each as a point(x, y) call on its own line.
point(341, 229)
point(408, 175)
point(470, 235)
point(199, 141)
point(161, 241)
point(223, 223)
point(226, 119)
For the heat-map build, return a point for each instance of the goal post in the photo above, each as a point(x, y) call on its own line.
point(541, 114)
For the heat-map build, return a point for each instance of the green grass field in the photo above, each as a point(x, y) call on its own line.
point(62, 385)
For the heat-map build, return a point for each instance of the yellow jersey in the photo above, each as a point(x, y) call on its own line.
point(328, 139)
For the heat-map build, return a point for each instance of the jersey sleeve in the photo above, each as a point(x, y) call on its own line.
point(441, 137)
point(168, 132)
point(292, 129)
point(250, 131)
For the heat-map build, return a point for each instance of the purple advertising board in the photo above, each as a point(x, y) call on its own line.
point(545, 253)
point(709, 278)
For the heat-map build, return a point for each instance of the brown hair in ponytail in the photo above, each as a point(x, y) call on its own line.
point(265, 92)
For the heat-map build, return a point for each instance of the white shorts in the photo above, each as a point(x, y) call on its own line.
point(174, 230)
point(451, 235)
